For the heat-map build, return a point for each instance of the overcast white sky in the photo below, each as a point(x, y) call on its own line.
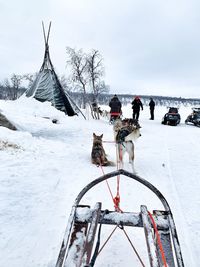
point(149, 46)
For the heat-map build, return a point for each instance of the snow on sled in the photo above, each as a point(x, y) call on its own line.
point(81, 243)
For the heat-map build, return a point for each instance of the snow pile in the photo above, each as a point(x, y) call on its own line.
point(45, 165)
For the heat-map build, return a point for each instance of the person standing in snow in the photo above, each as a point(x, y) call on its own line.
point(115, 107)
point(152, 107)
point(136, 105)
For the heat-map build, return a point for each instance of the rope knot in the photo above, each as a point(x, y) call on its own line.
point(116, 201)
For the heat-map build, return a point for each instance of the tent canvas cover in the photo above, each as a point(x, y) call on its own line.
point(47, 86)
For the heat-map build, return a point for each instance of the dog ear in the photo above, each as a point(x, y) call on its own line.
point(94, 135)
point(101, 135)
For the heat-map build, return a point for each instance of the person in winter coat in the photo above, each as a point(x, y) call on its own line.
point(152, 107)
point(136, 105)
point(115, 107)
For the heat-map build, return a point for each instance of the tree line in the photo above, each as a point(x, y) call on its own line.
point(85, 75)
point(84, 82)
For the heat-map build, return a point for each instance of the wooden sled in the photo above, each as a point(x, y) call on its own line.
point(78, 242)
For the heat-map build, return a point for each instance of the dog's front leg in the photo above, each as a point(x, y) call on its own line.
point(120, 152)
point(130, 150)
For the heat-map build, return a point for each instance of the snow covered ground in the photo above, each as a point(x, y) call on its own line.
point(41, 177)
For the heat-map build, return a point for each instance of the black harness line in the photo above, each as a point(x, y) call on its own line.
point(96, 251)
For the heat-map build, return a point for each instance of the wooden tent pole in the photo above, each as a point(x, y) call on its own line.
point(48, 32)
point(44, 34)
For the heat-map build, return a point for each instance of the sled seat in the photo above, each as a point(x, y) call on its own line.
point(85, 228)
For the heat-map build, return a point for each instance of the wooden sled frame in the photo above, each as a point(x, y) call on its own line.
point(86, 226)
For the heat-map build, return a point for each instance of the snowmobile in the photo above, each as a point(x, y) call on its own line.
point(172, 117)
point(194, 117)
point(81, 243)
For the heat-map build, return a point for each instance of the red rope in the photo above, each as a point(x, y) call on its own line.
point(158, 240)
point(116, 200)
point(107, 183)
point(117, 158)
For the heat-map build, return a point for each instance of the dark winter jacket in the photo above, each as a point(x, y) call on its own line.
point(94, 106)
point(152, 104)
point(115, 105)
point(137, 104)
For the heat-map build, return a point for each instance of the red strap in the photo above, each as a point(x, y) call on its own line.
point(115, 113)
point(158, 240)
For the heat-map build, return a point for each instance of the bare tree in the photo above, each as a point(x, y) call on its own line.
point(95, 69)
point(102, 88)
point(16, 81)
point(78, 63)
point(12, 86)
point(67, 84)
point(64, 82)
point(30, 77)
point(6, 83)
point(8, 91)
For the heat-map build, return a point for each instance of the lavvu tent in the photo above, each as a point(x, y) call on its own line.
point(47, 86)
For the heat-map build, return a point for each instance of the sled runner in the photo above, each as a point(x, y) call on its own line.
point(80, 249)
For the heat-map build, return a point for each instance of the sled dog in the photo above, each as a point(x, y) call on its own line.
point(130, 124)
point(98, 155)
point(126, 133)
point(106, 114)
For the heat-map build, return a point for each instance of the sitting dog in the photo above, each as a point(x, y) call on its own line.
point(98, 155)
point(125, 133)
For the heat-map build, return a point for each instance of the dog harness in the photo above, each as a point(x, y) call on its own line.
point(122, 133)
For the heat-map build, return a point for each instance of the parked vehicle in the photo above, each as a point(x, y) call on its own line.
point(172, 117)
point(194, 117)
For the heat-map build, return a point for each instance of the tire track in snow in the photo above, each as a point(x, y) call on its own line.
point(182, 229)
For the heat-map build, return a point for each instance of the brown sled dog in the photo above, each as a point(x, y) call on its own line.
point(98, 155)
